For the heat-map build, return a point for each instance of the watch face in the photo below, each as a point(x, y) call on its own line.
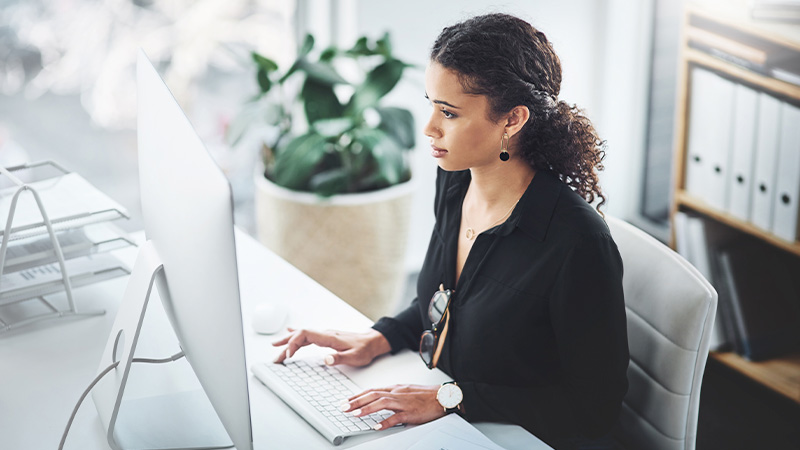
point(450, 396)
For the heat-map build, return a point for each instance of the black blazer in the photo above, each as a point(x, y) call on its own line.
point(537, 332)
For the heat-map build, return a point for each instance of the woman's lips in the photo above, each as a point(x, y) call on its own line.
point(437, 152)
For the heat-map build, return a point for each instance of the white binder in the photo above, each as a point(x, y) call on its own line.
point(767, 139)
point(743, 148)
point(787, 183)
point(710, 121)
point(700, 103)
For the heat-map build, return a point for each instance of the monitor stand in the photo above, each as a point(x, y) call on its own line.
point(185, 420)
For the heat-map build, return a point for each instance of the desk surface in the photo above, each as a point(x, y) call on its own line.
point(45, 367)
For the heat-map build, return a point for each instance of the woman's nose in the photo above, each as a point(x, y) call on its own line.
point(431, 130)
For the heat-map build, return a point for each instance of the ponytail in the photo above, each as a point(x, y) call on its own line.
point(564, 141)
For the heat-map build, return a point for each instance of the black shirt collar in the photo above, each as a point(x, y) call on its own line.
point(533, 213)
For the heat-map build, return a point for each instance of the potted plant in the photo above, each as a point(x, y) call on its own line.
point(333, 193)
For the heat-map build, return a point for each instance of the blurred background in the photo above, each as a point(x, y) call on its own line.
point(67, 82)
point(67, 93)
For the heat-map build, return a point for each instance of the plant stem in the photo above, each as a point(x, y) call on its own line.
point(346, 154)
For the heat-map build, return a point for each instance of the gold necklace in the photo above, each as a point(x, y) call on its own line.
point(470, 233)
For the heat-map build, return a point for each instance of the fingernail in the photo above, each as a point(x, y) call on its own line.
point(329, 360)
point(287, 353)
point(377, 427)
point(357, 412)
point(344, 406)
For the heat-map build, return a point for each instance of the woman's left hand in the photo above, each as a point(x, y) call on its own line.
point(411, 404)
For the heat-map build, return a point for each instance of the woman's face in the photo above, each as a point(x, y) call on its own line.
point(462, 135)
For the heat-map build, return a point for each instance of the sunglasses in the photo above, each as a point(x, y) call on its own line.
point(430, 345)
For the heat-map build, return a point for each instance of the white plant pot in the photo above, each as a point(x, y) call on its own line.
point(353, 244)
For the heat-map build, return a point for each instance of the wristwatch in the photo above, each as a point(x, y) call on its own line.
point(450, 397)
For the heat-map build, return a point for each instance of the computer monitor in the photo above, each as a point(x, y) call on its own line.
point(190, 252)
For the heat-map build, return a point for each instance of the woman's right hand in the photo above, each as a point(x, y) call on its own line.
point(354, 349)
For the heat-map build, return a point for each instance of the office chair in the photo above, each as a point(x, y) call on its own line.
point(670, 310)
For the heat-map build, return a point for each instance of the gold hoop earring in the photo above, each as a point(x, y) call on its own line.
point(504, 147)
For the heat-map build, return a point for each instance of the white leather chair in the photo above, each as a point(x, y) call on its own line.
point(671, 309)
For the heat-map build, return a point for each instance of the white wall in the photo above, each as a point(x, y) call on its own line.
point(622, 96)
point(603, 46)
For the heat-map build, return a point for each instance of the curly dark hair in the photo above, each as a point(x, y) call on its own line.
point(512, 63)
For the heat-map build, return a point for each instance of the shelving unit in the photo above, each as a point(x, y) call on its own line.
point(730, 19)
point(782, 375)
point(56, 237)
point(687, 201)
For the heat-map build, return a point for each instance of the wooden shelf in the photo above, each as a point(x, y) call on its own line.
point(782, 375)
point(735, 17)
point(760, 81)
point(685, 199)
point(781, 42)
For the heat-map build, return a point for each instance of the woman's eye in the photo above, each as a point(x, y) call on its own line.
point(448, 114)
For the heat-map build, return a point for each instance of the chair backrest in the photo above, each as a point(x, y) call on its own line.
point(671, 309)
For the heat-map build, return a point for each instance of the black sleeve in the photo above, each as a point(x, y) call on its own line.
point(587, 311)
point(403, 330)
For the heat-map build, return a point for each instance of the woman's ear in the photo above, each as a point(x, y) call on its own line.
point(516, 119)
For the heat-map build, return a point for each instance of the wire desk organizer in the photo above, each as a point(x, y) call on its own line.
point(73, 216)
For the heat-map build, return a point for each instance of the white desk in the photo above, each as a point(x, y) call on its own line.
point(45, 367)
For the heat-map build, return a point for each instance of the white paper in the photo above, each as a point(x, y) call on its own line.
point(38, 250)
point(73, 243)
point(439, 440)
point(45, 279)
point(435, 435)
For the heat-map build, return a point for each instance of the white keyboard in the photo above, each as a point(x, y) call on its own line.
point(316, 392)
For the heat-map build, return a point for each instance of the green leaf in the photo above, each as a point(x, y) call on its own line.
point(398, 123)
point(264, 62)
point(263, 80)
point(389, 157)
point(328, 54)
point(333, 127)
point(378, 83)
point(320, 101)
point(383, 45)
point(322, 72)
point(360, 48)
point(305, 49)
point(387, 154)
point(330, 182)
point(369, 137)
point(295, 163)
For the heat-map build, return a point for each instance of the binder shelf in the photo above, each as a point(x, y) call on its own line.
point(737, 144)
point(737, 147)
point(57, 236)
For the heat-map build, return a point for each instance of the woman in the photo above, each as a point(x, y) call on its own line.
point(535, 331)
